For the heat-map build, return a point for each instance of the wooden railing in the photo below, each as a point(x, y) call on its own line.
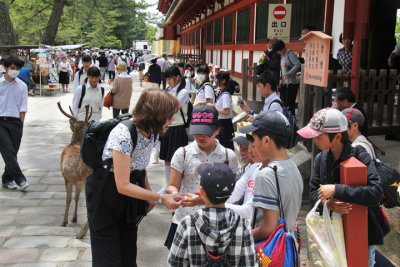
point(196, 59)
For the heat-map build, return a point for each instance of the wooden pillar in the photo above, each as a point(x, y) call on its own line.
point(355, 224)
point(329, 6)
point(245, 85)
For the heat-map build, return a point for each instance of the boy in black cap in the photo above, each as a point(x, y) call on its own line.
point(214, 233)
point(270, 131)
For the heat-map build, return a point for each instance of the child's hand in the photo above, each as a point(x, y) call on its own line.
point(338, 206)
point(326, 191)
point(250, 118)
point(191, 200)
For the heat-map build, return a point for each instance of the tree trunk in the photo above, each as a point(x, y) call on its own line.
point(50, 32)
point(7, 35)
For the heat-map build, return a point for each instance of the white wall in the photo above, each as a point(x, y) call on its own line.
point(224, 63)
point(238, 61)
point(337, 25)
point(229, 60)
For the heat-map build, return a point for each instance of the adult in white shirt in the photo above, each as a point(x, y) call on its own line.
point(65, 69)
point(244, 188)
point(92, 94)
point(13, 107)
point(164, 64)
point(176, 135)
point(206, 93)
point(267, 88)
point(186, 160)
point(223, 104)
point(80, 76)
point(356, 121)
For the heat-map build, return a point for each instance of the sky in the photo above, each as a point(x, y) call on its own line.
point(153, 9)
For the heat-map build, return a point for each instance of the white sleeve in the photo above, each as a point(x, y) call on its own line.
point(240, 189)
point(23, 107)
point(276, 107)
point(183, 97)
point(396, 50)
point(245, 210)
point(226, 101)
point(102, 104)
point(209, 92)
point(75, 100)
point(233, 163)
point(76, 80)
point(177, 161)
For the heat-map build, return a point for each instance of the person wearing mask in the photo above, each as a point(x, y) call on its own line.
point(90, 93)
point(103, 62)
point(164, 64)
point(126, 195)
point(223, 104)
point(13, 108)
point(111, 67)
point(290, 65)
point(176, 135)
point(65, 69)
point(81, 75)
point(205, 149)
point(345, 54)
point(122, 90)
point(206, 93)
point(155, 74)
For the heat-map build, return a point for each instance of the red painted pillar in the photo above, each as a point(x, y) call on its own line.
point(355, 224)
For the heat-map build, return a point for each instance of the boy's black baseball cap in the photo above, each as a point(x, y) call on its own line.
point(217, 180)
point(204, 120)
point(270, 121)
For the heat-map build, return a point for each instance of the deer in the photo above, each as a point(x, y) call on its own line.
point(73, 169)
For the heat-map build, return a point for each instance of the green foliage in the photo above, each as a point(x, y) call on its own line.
point(397, 31)
point(98, 23)
point(151, 33)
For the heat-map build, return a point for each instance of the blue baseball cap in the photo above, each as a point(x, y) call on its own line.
point(270, 121)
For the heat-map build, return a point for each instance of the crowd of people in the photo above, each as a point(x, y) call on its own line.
point(221, 209)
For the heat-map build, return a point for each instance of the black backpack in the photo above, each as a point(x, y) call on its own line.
point(95, 138)
point(84, 92)
point(390, 178)
point(294, 136)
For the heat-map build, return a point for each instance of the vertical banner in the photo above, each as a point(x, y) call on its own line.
point(279, 17)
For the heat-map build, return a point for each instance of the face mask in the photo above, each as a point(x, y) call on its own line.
point(201, 77)
point(13, 73)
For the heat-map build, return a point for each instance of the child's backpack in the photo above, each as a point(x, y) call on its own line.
point(390, 181)
point(294, 136)
point(203, 87)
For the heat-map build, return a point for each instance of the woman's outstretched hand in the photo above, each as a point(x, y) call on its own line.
point(172, 201)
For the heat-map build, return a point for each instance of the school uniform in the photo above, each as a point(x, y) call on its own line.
point(94, 97)
point(226, 133)
point(205, 91)
point(176, 135)
point(64, 73)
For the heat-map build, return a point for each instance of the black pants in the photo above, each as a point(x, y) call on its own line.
point(116, 111)
point(10, 140)
point(114, 245)
point(163, 80)
point(111, 75)
point(288, 94)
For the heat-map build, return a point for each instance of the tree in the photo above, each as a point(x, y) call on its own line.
point(151, 33)
point(7, 35)
point(50, 32)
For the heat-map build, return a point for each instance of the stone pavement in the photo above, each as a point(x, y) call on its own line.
point(30, 234)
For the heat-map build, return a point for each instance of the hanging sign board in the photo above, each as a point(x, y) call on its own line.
point(279, 21)
point(316, 61)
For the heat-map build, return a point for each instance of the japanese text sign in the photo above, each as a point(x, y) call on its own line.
point(279, 21)
point(316, 61)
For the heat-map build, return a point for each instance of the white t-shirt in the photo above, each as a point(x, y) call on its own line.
point(207, 91)
point(183, 98)
point(266, 193)
point(224, 101)
point(244, 188)
point(13, 98)
point(362, 141)
point(188, 165)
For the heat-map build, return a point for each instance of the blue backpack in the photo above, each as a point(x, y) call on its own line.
point(294, 136)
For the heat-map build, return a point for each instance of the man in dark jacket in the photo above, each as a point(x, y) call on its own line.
point(270, 61)
point(328, 128)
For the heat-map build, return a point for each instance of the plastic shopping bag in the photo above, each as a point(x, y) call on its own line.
point(326, 247)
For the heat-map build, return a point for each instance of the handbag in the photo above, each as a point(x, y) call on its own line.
point(325, 234)
point(108, 99)
point(147, 77)
point(280, 248)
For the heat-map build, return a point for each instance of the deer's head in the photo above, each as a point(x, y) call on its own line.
point(77, 127)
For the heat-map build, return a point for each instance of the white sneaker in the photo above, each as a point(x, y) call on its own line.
point(154, 158)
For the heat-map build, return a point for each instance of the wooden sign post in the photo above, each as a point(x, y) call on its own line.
point(355, 224)
point(316, 58)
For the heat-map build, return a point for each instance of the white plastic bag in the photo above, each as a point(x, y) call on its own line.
point(326, 247)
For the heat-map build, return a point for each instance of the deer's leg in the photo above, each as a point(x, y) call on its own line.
point(68, 189)
point(78, 189)
point(83, 231)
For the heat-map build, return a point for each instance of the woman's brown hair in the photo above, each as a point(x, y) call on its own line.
point(153, 109)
